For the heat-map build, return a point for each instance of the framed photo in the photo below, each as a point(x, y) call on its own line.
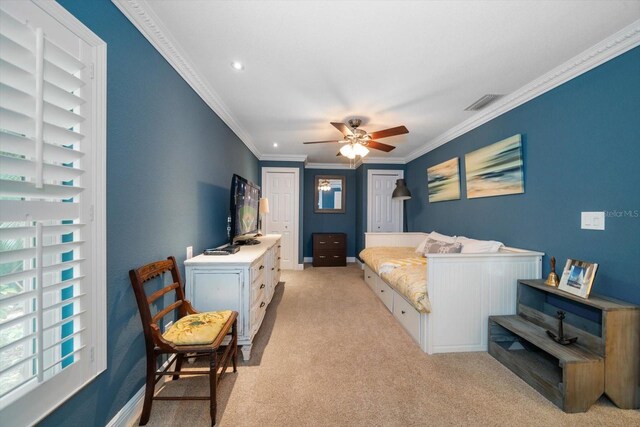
point(444, 181)
point(577, 277)
point(495, 170)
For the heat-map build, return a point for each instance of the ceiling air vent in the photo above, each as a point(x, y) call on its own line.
point(482, 102)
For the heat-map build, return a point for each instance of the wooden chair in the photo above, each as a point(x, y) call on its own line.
point(183, 338)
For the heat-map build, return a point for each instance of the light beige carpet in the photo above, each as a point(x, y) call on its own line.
point(330, 354)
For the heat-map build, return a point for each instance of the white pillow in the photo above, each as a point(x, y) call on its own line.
point(420, 248)
point(437, 236)
point(472, 246)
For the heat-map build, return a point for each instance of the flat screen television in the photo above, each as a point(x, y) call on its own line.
point(243, 211)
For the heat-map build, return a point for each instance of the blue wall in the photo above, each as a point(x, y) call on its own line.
point(330, 222)
point(300, 166)
point(581, 152)
point(169, 165)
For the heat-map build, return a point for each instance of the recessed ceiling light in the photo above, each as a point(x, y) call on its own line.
point(275, 144)
point(237, 65)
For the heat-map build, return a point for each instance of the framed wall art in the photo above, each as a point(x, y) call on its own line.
point(444, 181)
point(495, 170)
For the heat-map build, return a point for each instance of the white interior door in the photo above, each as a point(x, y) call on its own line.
point(280, 186)
point(383, 213)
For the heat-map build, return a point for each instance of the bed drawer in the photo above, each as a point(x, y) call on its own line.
point(407, 316)
point(370, 277)
point(385, 293)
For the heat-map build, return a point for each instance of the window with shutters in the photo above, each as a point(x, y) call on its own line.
point(52, 208)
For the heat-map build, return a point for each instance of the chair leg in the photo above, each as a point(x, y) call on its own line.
point(179, 360)
point(234, 342)
point(149, 389)
point(213, 367)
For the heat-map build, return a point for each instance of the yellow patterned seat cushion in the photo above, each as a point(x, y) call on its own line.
point(375, 257)
point(201, 328)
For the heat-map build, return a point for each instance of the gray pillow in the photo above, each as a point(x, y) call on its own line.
point(438, 247)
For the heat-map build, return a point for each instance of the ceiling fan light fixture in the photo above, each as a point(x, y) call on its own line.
point(360, 150)
point(347, 151)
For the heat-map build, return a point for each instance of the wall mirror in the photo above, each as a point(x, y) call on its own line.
point(330, 194)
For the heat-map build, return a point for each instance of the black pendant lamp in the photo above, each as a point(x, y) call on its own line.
point(401, 192)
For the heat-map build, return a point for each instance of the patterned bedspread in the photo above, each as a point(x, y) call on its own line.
point(403, 270)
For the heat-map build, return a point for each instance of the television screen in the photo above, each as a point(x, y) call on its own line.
point(245, 197)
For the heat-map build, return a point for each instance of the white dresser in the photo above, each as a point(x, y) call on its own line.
point(244, 282)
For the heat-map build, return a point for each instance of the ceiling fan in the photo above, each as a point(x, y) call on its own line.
point(359, 141)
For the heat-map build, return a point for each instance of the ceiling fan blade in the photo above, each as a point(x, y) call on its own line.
point(380, 146)
point(320, 142)
point(343, 128)
point(398, 130)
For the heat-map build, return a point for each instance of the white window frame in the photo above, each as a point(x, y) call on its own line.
point(47, 396)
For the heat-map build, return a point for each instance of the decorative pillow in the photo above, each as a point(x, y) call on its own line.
point(438, 247)
point(201, 328)
point(437, 236)
point(420, 248)
point(472, 246)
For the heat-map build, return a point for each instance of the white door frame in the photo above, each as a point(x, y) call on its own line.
point(400, 174)
point(296, 205)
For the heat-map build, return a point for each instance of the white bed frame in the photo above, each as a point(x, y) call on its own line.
point(464, 290)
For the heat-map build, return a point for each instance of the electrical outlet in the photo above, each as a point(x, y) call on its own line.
point(189, 252)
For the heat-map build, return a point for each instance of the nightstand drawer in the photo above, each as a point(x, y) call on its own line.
point(329, 249)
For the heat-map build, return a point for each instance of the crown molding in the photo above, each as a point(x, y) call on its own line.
point(329, 166)
point(385, 160)
point(615, 45)
point(283, 158)
point(152, 28)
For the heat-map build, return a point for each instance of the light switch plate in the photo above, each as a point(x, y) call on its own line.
point(592, 221)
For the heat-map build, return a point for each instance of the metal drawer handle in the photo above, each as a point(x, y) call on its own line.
point(278, 257)
point(336, 256)
point(261, 267)
point(279, 246)
point(273, 268)
point(262, 286)
point(322, 243)
point(368, 277)
point(278, 269)
point(322, 256)
point(381, 290)
point(336, 243)
point(402, 311)
point(262, 304)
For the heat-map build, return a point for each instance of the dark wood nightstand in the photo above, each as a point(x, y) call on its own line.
point(329, 249)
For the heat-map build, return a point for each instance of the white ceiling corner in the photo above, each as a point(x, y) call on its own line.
point(305, 68)
point(151, 26)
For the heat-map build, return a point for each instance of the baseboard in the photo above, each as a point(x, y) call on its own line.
point(131, 411)
point(309, 260)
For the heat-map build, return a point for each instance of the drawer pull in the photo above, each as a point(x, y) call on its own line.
point(278, 257)
point(336, 256)
point(273, 268)
point(262, 304)
point(322, 243)
point(337, 243)
point(368, 277)
point(278, 269)
point(322, 256)
point(402, 311)
point(279, 246)
point(381, 290)
point(262, 286)
point(261, 267)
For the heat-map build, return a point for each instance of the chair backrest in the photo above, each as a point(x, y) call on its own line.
point(142, 275)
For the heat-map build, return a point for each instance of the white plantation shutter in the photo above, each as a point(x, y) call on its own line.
point(51, 183)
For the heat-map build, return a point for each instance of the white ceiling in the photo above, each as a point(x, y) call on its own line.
point(390, 63)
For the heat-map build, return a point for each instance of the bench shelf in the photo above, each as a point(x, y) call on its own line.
point(605, 359)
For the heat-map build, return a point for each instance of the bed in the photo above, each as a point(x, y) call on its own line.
point(444, 300)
